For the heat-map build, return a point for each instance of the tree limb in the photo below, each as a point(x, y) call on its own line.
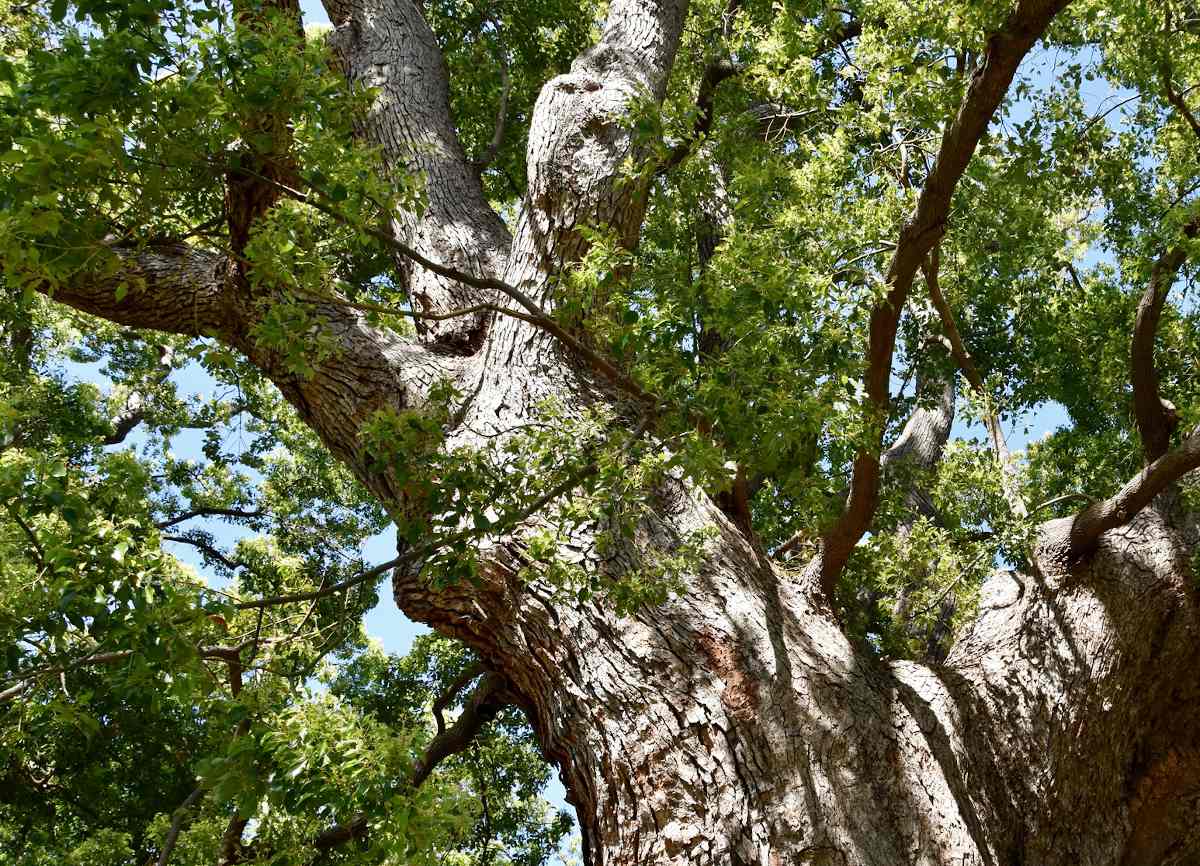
point(177, 825)
point(487, 699)
point(493, 148)
point(133, 412)
point(988, 85)
point(966, 364)
point(410, 122)
point(484, 702)
point(443, 700)
point(1087, 526)
point(1156, 417)
point(714, 74)
point(174, 288)
point(207, 549)
point(237, 513)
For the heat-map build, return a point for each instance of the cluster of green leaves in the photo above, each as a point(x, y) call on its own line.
point(115, 708)
point(467, 497)
point(746, 302)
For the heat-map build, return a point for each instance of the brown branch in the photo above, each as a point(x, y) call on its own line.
point(487, 699)
point(349, 583)
point(966, 364)
point(38, 553)
point(443, 700)
point(227, 654)
point(237, 513)
point(1175, 98)
point(174, 288)
point(177, 825)
point(1087, 526)
point(207, 549)
point(537, 316)
point(1156, 418)
point(988, 85)
point(714, 74)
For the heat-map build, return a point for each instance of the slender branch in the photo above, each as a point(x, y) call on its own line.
point(493, 148)
point(177, 825)
point(464, 679)
point(227, 654)
point(966, 363)
point(212, 511)
point(333, 589)
point(484, 702)
point(38, 552)
point(926, 226)
point(208, 550)
point(1156, 418)
point(714, 74)
point(1176, 99)
point(487, 699)
point(133, 412)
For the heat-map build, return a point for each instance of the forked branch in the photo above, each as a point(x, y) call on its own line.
point(925, 227)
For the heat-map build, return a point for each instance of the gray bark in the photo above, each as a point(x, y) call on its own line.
point(737, 724)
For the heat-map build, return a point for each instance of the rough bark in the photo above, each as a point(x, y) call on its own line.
point(387, 44)
point(737, 724)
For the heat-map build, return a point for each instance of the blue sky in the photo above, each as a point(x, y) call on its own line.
point(314, 12)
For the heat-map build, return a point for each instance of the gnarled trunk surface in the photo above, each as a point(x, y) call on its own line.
point(737, 724)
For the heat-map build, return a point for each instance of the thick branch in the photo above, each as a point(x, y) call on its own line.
point(387, 45)
point(924, 228)
point(1087, 527)
point(173, 288)
point(1156, 418)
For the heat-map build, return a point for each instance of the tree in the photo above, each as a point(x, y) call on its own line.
point(696, 290)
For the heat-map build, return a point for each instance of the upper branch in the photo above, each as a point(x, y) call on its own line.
point(1156, 418)
point(387, 45)
point(925, 227)
point(967, 364)
point(581, 142)
point(1084, 529)
point(173, 288)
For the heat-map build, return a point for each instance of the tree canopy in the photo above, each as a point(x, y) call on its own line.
point(748, 324)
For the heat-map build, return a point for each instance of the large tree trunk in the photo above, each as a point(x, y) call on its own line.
point(737, 724)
